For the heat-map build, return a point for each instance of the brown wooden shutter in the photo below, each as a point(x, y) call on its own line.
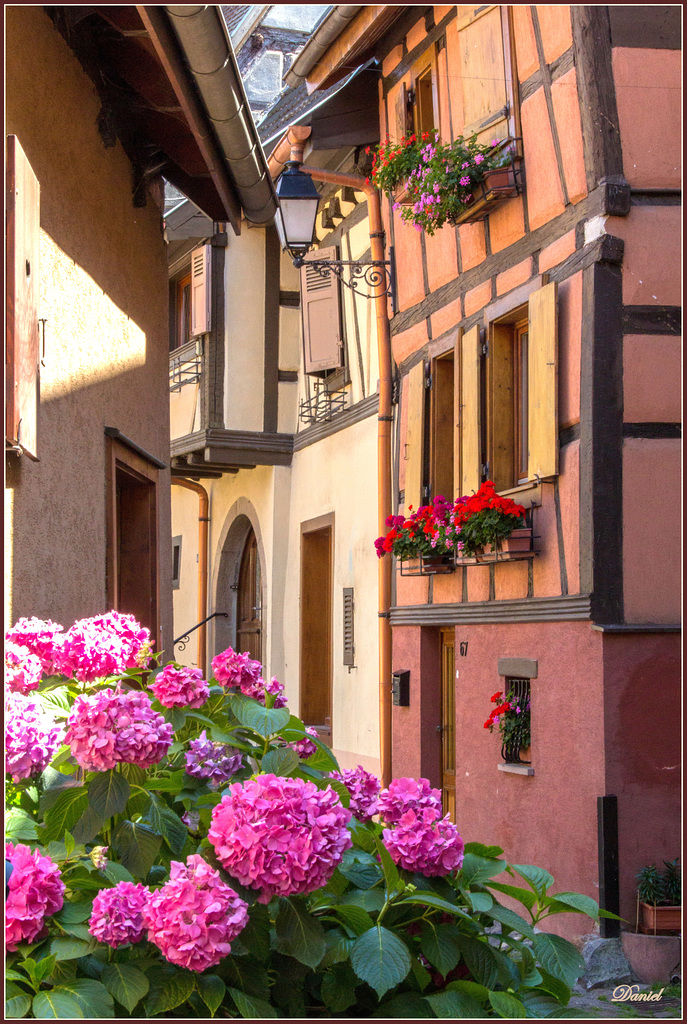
point(471, 346)
point(542, 366)
point(415, 437)
point(485, 71)
point(403, 122)
point(320, 310)
point(22, 358)
point(348, 636)
point(457, 416)
point(500, 419)
point(200, 290)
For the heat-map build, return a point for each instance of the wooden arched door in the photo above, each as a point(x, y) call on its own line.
point(248, 604)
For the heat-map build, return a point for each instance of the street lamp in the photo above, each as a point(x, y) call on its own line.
point(295, 223)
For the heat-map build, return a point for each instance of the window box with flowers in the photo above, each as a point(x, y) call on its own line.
point(511, 715)
point(434, 182)
point(478, 529)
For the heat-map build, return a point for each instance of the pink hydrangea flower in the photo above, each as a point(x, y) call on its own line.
point(31, 736)
point(404, 795)
point(232, 669)
point(112, 726)
point(117, 916)
point(256, 690)
point(216, 762)
point(23, 670)
point(364, 789)
point(44, 639)
point(422, 841)
point(35, 892)
point(305, 747)
point(103, 646)
point(180, 687)
point(282, 836)
point(193, 918)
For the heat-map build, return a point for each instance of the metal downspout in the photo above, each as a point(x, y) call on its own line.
point(203, 520)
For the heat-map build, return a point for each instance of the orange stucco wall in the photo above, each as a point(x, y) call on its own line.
point(104, 298)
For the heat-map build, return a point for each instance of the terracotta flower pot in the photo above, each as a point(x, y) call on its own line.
point(520, 540)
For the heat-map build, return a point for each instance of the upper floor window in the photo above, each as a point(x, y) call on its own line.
point(190, 313)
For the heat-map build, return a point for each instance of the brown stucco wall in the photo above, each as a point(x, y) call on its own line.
point(104, 299)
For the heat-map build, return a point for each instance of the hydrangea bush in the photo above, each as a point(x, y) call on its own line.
point(169, 857)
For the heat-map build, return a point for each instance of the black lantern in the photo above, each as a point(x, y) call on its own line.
point(297, 213)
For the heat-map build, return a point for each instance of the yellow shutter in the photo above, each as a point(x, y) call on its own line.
point(457, 416)
point(415, 437)
point(486, 107)
point(543, 382)
point(470, 410)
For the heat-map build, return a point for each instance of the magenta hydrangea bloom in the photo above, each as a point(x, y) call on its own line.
point(232, 669)
point(422, 841)
point(282, 836)
point(114, 726)
point(364, 789)
point(405, 795)
point(216, 762)
point(193, 918)
point(31, 736)
point(257, 690)
point(42, 638)
point(180, 687)
point(103, 646)
point(23, 670)
point(305, 747)
point(117, 915)
point(35, 892)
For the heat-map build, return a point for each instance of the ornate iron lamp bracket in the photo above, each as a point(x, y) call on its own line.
point(358, 275)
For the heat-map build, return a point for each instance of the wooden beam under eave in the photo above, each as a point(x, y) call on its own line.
point(167, 50)
point(367, 26)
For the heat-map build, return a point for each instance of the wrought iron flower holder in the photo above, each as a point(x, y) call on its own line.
point(519, 545)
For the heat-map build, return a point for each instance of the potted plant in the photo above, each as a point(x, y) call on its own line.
point(486, 520)
point(436, 182)
point(659, 898)
point(422, 541)
point(512, 716)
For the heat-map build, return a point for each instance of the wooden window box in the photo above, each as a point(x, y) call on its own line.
point(428, 565)
point(499, 184)
point(659, 920)
point(520, 544)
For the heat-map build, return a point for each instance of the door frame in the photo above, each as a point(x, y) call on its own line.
point(250, 535)
point(238, 522)
point(322, 522)
point(447, 634)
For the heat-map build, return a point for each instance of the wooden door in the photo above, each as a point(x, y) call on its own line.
point(448, 723)
point(248, 604)
point(316, 628)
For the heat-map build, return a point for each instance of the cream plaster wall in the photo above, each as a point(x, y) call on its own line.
point(185, 524)
point(339, 474)
point(184, 410)
point(244, 366)
point(104, 299)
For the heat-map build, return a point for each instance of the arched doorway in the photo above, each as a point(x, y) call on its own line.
point(249, 601)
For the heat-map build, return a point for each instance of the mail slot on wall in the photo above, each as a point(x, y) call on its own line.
point(400, 689)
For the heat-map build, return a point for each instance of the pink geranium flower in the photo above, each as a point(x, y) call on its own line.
point(282, 836)
point(193, 918)
point(117, 916)
point(35, 892)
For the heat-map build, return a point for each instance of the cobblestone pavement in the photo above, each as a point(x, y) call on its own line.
point(598, 1002)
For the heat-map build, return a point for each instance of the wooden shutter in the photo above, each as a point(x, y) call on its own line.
point(485, 72)
point(348, 637)
point(500, 417)
point(471, 346)
point(415, 437)
point(403, 124)
point(320, 310)
point(542, 365)
point(200, 290)
point(22, 358)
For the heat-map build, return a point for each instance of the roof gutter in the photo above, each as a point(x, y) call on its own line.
point(329, 29)
point(206, 47)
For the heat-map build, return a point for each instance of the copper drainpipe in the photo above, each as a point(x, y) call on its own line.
point(203, 520)
point(295, 139)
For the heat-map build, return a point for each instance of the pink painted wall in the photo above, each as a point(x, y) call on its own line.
point(652, 378)
point(651, 530)
point(548, 819)
point(642, 724)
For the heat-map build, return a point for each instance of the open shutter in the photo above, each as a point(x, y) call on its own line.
point(348, 637)
point(500, 421)
point(200, 290)
point(542, 416)
point(415, 437)
point(483, 67)
point(322, 343)
point(457, 415)
point(470, 410)
point(22, 343)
